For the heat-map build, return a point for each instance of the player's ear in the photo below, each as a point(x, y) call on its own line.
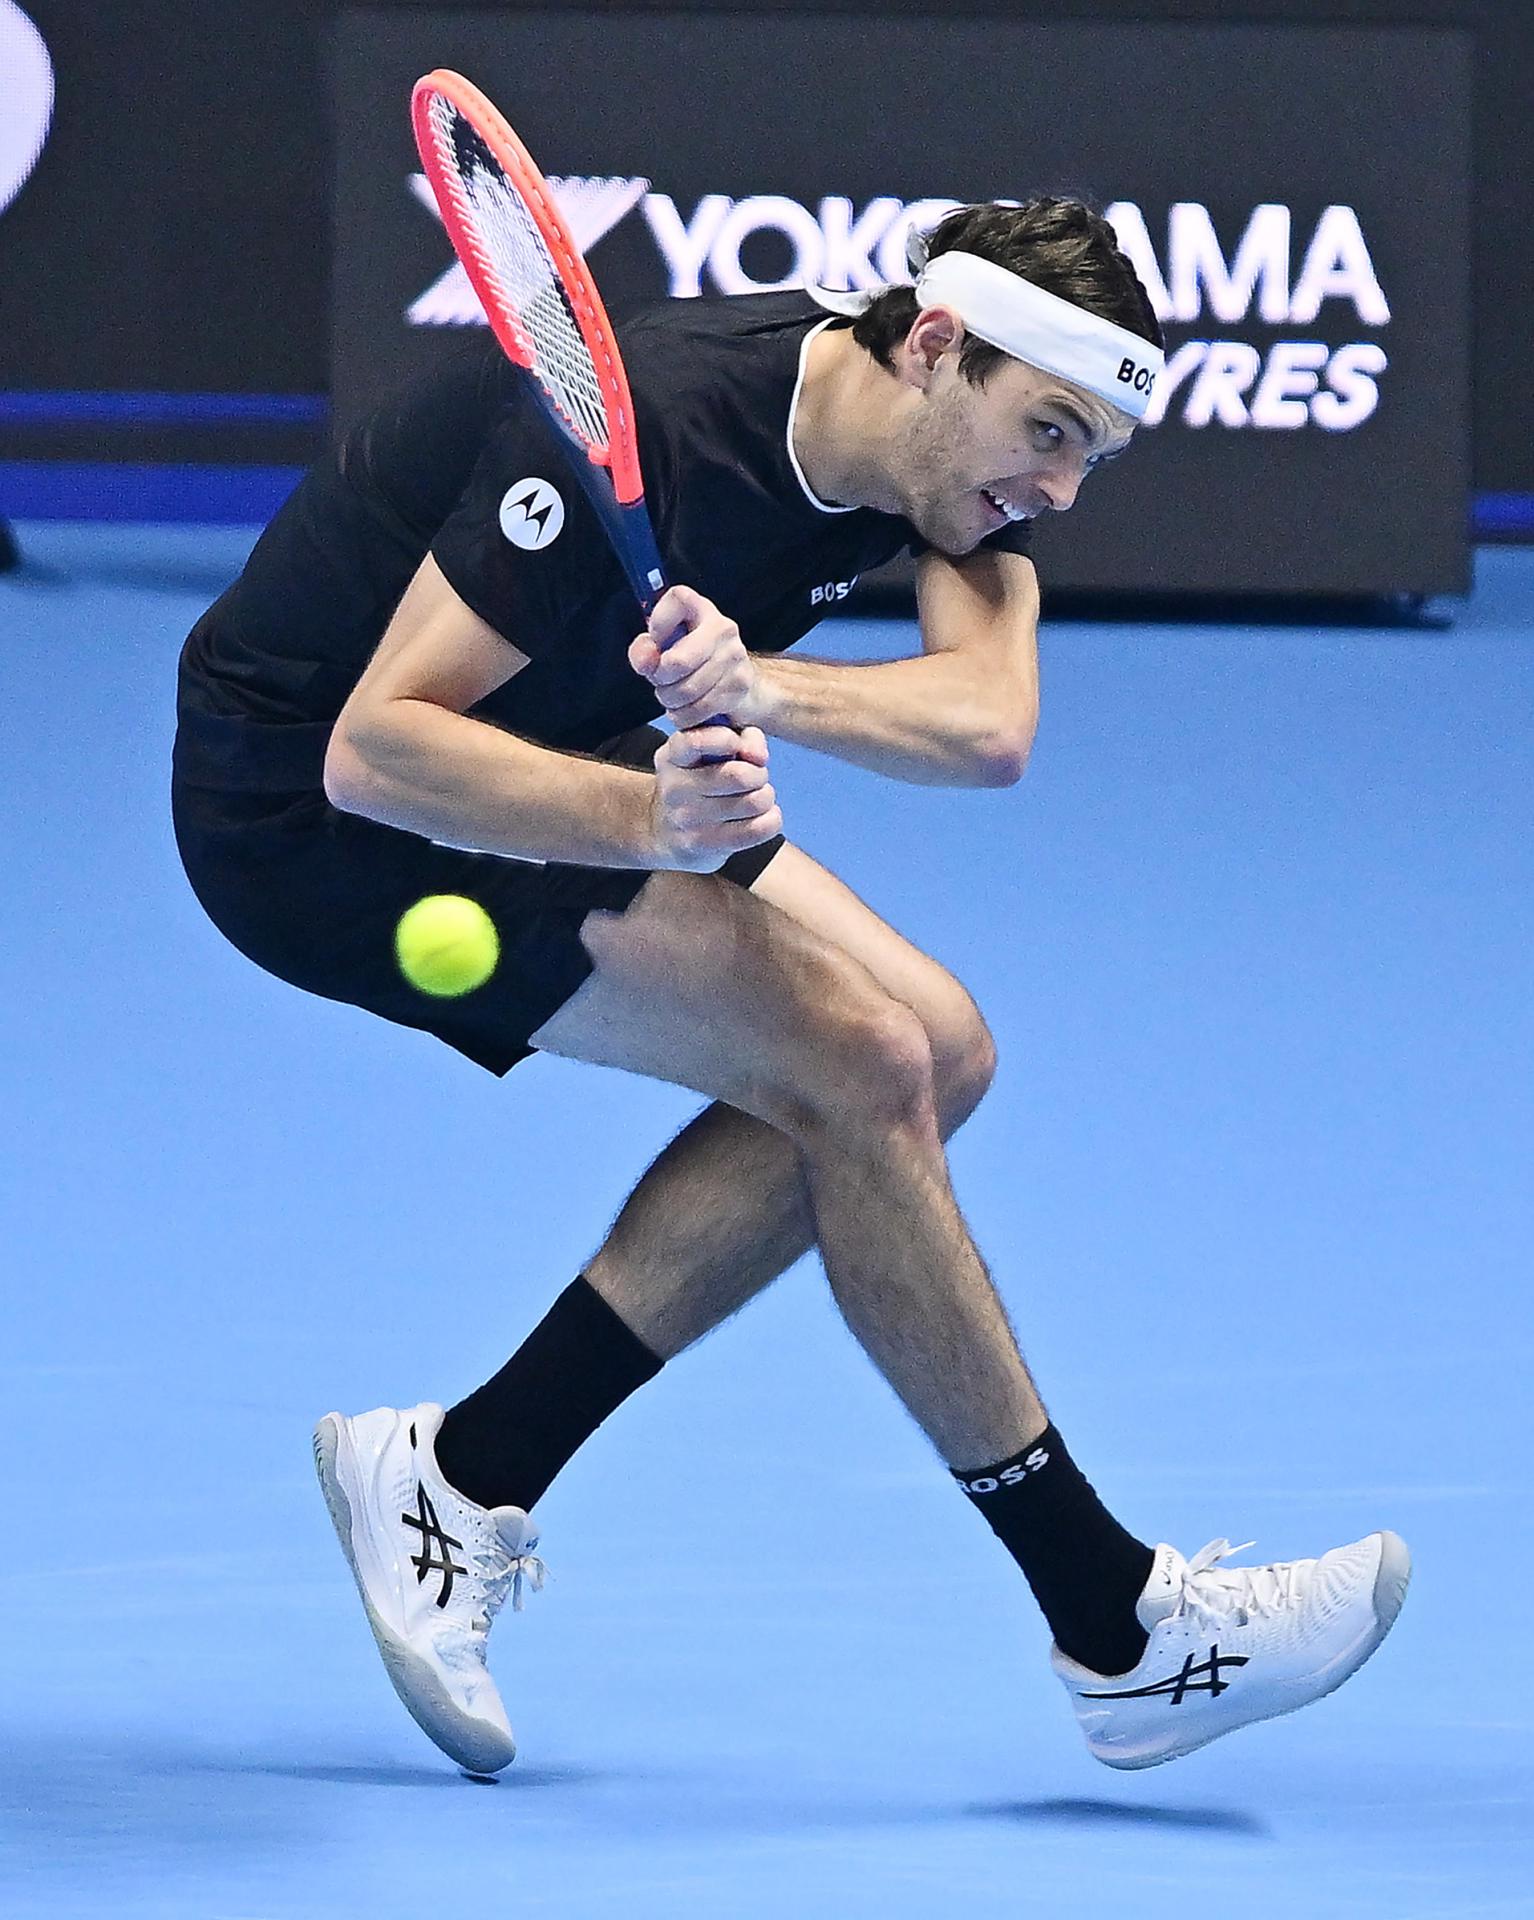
point(934, 332)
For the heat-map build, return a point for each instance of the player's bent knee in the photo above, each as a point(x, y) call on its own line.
point(869, 1066)
point(963, 1052)
point(964, 1084)
point(964, 1055)
point(792, 1028)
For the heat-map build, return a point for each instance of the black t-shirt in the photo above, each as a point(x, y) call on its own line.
point(441, 467)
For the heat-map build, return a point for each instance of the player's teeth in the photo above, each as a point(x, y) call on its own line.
point(1001, 506)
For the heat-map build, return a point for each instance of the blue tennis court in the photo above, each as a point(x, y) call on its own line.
point(1254, 935)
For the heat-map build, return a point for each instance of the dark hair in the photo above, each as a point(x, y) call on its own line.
point(1058, 242)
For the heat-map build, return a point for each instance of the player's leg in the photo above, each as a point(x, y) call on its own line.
point(724, 992)
point(433, 1564)
point(700, 984)
point(724, 1209)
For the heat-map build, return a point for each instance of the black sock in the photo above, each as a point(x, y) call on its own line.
point(503, 1445)
point(1085, 1570)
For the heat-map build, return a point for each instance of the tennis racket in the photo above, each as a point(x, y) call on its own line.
point(542, 304)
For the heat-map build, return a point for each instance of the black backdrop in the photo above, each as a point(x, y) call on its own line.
point(189, 170)
point(1287, 412)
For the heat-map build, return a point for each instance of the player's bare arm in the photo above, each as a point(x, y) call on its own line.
point(405, 751)
point(961, 713)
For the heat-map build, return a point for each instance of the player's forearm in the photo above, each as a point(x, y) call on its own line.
point(459, 780)
point(932, 720)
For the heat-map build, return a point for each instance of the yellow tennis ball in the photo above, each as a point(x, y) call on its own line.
point(446, 945)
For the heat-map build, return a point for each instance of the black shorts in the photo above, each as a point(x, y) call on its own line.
point(313, 895)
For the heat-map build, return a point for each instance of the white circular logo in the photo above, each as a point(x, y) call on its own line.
point(26, 87)
point(532, 514)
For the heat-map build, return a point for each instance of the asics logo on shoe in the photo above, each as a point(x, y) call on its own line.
point(1202, 1678)
point(1009, 1476)
point(433, 1540)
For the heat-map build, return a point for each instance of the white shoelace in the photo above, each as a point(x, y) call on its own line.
point(500, 1571)
point(1214, 1594)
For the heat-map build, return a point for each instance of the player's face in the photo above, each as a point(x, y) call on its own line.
point(967, 459)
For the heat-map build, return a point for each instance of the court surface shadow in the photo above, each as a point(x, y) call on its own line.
point(517, 1778)
point(1118, 1813)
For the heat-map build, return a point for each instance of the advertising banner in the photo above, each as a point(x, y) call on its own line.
point(1295, 200)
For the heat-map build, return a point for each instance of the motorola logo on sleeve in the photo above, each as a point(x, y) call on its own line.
point(26, 94)
point(532, 514)
point(1313, 278)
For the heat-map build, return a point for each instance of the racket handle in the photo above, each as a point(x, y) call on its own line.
point(641, 556)
point(646, 572)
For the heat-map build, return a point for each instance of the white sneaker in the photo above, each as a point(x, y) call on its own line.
point(1230, 1645)
point(433, 1570)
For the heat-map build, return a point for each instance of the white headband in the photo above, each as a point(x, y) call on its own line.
point(1011, 313)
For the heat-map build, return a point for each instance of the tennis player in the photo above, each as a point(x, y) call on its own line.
point(428, 680)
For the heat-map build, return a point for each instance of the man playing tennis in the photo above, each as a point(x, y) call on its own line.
point(427, 681)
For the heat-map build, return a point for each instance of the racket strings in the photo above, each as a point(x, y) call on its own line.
point(519, 266)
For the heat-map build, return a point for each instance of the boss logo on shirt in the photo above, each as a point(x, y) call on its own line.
point(832, 591)
point(532, 514)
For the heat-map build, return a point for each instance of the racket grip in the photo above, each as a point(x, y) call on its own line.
point(719, 720)
point(641, 555)
point(647, 572)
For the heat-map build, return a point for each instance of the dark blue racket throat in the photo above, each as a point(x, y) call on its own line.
point(630, 531)
point(640, 555)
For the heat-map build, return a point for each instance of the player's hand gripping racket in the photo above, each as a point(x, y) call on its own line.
point(541, 302)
